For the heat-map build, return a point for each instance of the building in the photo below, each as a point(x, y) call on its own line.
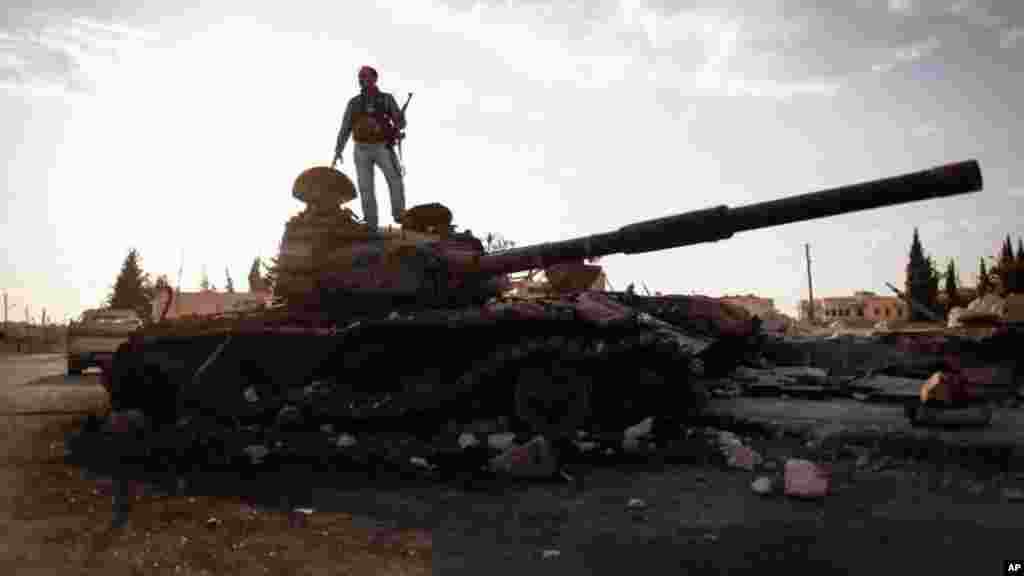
point(207, 303)
point(761, 307)
point(863, 306)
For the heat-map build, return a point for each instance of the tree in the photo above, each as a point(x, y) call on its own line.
point(257, 282)
point(984, 280)
point(952, 287)
point(922, 281)
point(495, 242)
point(229, 286)
point(204, 282)
point(1007, 273)
point(132, 289)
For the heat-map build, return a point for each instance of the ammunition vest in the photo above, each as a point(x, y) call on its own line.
point(371, 124)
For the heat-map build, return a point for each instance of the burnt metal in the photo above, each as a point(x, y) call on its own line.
point(342, 357)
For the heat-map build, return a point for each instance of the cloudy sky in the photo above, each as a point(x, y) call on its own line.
point(179, 129)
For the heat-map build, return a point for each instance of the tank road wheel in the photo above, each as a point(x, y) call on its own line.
point(552, 400)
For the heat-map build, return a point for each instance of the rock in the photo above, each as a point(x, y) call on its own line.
point(770, 465)
point(550, 554)
point(742, 457)
point(501, 442)
point(212, 522)
point(467, 440)
point(805, 479)
point(634, 436)
point(531, 460)
point(250, 395)
point(636, 504)
point(420, 462)
point(345, 441)
point(763, 485)
point(256, 453)
point(863, 460)
point(1013, 494)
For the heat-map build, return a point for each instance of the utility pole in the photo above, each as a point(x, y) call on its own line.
point(810, 285)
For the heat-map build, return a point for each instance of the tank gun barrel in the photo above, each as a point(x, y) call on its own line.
point(722, 222)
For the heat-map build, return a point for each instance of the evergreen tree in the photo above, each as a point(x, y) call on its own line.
point(1020, 251)
point(984, 280)
point(952, 287)
point(922, 280)
point(132, 289)
point(229, 286)
point(1003, 271)
point(204, 282)
point(256, 281)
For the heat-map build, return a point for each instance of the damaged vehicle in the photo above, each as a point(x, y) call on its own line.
point(412, 330)
point(93, 340)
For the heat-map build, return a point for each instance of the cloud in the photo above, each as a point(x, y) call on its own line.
point(907, 53)
point(975, 14)
point(905, 7)
point(53, 54)
point(1008, 37)
point(926, 130)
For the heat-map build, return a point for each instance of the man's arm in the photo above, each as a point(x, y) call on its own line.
point(396, 112)
point(345, 132)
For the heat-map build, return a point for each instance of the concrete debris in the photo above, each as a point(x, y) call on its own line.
point(531, 460)
point(636, 504)
point(467, 440)
point(327, 429)
point(737, 455)
point(420, 462)
point(805, 479)
point(1013, 495)
point(635, 437)
point(251, 395)
point(550, 554)
point(501, 442)
point(763, 485)
point(345, 441)
point(257, 453)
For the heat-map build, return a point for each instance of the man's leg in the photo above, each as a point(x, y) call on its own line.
point(386, 161)
point(364, 158)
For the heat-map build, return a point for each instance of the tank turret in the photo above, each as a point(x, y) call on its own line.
point(327, 255)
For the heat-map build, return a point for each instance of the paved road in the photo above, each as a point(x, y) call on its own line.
point(1007, 424)
point(39, 383)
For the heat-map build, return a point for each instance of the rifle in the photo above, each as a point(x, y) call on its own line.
point(398, 137)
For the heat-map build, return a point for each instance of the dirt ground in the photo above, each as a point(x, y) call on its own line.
point(56, 519)
point(689, 513)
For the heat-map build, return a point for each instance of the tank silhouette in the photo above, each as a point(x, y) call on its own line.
point(408, 329)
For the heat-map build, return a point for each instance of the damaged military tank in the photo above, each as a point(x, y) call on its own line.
point(415, 329)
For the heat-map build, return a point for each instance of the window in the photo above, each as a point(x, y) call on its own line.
point(860, 312)
point(887, 310)
point(877, 311)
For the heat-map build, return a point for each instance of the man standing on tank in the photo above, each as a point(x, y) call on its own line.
point(373, 119)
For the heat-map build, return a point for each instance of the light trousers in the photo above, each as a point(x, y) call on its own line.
point(366, 156)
